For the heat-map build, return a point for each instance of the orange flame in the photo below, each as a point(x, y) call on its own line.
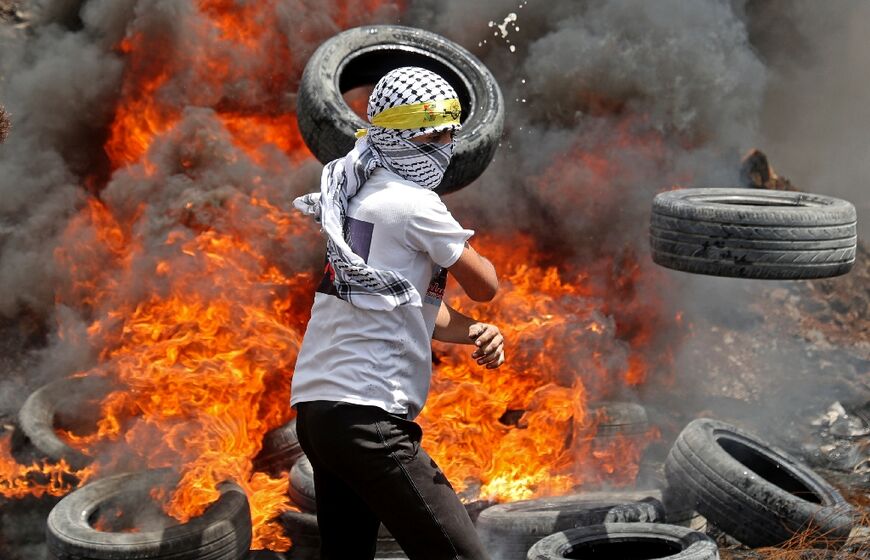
point(18, 481)
point(201, 331)
point(556, 338)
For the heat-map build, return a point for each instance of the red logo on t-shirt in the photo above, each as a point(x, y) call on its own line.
point(435, 292)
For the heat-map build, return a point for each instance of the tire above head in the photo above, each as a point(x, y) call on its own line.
point(509, 530)
point(222, 532)
point(361, 56)
point(37, 415)
point(756, 493)
point(626, 540)
point(750, 233)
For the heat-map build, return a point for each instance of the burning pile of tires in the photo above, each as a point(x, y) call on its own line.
point(745, 488)
point(757, 494)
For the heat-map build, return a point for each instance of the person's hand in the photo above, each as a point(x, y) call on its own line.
point(489, 342)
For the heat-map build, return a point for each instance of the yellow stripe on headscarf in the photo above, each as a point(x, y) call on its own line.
point(417, 115)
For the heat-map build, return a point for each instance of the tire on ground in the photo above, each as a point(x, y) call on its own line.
point(618, 418)
point(37, 415)
point(280, 450)
point(222, 532)
point(756, 493)
point(626, 540)
point(509, 530)
point(361, 56)
point(302, 485)
point(753, 234)
point(301, 528)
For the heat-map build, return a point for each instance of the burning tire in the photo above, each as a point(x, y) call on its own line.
point(223, 532)
point(753, 234)
point(301, 527)
point(619, 418)
point(509, 530)
point(280, 450)
point(626, 540)
point(37, 415)
point(360, 56)
point(759, 495)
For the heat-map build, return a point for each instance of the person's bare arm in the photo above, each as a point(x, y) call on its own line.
point(475, 274)
point(453, 326)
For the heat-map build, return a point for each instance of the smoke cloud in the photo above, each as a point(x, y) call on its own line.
point(815, 110)
point(607, 103)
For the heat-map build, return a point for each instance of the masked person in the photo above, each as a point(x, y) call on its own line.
point(363, 370)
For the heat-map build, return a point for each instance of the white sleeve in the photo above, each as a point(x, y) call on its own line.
point(433, 230)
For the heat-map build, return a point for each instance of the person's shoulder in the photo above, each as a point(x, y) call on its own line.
point(401, 191)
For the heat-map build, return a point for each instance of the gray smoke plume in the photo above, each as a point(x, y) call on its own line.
point(607, 103)
point(587, 78)
point(817, 106)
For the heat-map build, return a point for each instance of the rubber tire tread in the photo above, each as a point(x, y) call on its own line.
point(281, 449)
point(327, 124)
point(718, 498)
point(739, 255)
point(695, 545)
point(36, 417)
point(752, 232)
point(731, 232)
point(222, 532)
point(744, 505)
point(721, 502)
point(302, 485)
point(715, 267)
point(790, 209)
point(625, 418)
point(736, 242)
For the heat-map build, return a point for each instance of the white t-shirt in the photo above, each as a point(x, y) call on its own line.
point(382, 358)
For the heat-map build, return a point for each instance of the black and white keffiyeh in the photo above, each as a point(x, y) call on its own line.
point(423, 164)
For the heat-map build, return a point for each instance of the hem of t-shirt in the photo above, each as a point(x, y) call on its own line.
point(352, 400)
point(457, 253)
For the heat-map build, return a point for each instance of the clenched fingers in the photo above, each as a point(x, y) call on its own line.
point(490, 345)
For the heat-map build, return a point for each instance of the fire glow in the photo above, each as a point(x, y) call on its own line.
point(200, 331)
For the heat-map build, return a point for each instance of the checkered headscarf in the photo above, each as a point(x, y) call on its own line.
point(423, 164)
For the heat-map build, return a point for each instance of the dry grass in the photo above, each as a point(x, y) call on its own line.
point(5, 124)
point(812, 545)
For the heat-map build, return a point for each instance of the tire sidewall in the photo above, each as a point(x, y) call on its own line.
point(778, 513)
point(321, 99)
point(740, 475)
point(224, 526)
point(777, 207)
point(694, 545)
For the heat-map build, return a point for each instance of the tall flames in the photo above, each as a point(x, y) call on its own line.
point(196, 313)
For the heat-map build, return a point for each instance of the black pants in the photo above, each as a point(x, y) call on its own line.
point(369, 468)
